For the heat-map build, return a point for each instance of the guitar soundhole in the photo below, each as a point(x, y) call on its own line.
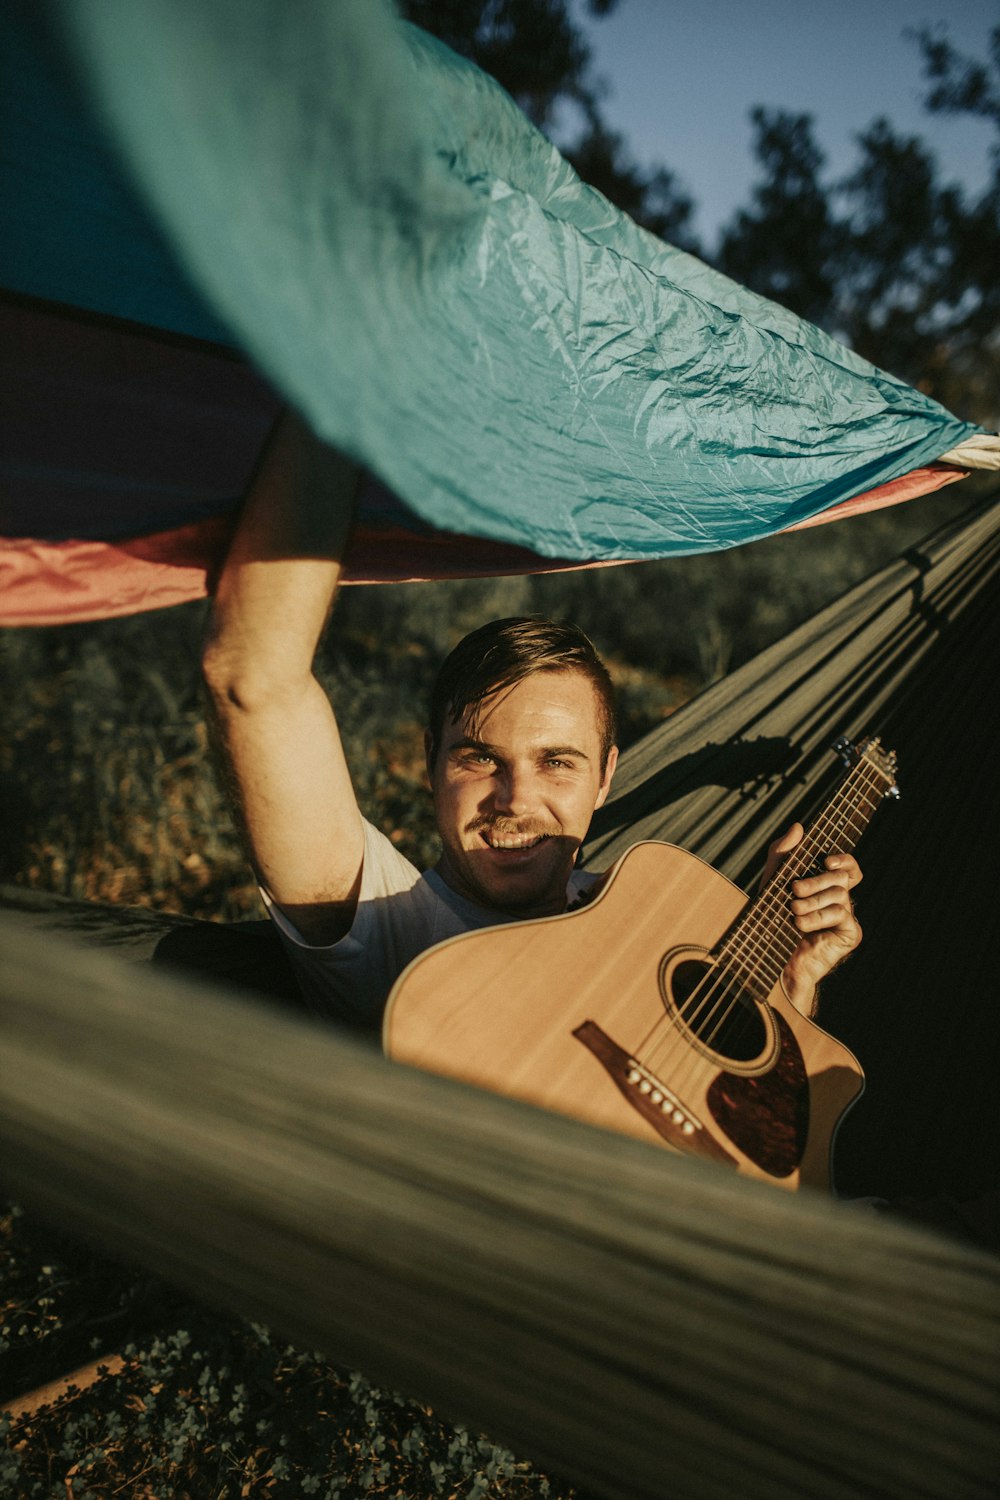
point(719, 1013)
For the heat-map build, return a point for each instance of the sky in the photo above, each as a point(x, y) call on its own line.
point(682, 76)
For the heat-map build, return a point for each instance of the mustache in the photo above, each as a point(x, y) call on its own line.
point(513, 828)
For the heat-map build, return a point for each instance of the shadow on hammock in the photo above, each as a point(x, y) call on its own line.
point(747, 766)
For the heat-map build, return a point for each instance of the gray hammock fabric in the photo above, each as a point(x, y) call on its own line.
point(643, 1324)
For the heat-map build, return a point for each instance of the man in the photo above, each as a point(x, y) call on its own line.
point(520, 752)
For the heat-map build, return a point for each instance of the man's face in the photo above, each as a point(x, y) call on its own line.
point(514, 792)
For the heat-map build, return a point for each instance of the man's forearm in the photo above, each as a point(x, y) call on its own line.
point(275, 726)
point(283, 568)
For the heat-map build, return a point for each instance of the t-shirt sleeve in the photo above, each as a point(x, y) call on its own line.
point(350, 980)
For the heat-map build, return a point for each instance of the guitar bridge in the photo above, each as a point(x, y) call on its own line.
point(649, 1086)
point(650, 1098)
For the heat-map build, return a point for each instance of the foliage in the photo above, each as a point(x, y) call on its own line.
point(655, 199)
point(890, 259)
point(108, 789)
point(962, 85)
point(785, 244)
point(532, 47)
point(207, 1407)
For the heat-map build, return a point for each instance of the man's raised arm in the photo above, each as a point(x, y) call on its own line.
point(276, 727)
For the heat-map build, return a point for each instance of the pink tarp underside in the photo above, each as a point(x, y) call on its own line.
point(113, 419)
point(54, 583)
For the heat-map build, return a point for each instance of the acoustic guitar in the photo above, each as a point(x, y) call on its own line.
point(656, 1010)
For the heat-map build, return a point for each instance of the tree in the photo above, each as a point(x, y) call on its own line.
point(535, 49)
point(531, 47)
point(892, 260)
point(895, 304)
point(785, 245)
point(918, 290)
point(896, 263)
point(962, 85)
point(654, 199)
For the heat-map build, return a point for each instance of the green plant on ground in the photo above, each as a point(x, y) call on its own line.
point(200, 1406)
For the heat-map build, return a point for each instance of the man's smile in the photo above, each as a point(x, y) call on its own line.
point(512, 842)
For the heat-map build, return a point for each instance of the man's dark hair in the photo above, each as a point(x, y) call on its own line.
point(498, 655)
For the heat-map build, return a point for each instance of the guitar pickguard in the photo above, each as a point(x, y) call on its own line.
point(767, 1115)
point(657, 1105)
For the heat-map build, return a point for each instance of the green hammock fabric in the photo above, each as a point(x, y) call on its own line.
point(421, 273)
point(750, 751)
point(646, 1325)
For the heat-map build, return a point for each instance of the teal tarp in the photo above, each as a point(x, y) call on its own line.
point(421, 273)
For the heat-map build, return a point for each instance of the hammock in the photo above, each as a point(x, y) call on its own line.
point(528, 377)
point(644, 1324)
point(911, 655)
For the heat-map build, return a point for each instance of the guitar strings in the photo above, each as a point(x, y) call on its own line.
point(740, 965)
point(763, 956)
point(753, 944)
point(718, 983)
point(723, 989)
point(744, 961)
point(759, 949)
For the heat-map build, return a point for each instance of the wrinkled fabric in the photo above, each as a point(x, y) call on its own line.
point(44, 582)
point(124, 457)
point(421, 273)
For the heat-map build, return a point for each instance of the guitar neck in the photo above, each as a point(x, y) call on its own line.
point(758, 947)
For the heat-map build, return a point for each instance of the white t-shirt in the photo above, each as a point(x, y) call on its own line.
point(400, 914)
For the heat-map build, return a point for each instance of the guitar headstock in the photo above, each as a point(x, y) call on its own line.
point(870, 751)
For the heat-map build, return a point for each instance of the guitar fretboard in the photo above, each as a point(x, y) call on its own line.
point(765, 937)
